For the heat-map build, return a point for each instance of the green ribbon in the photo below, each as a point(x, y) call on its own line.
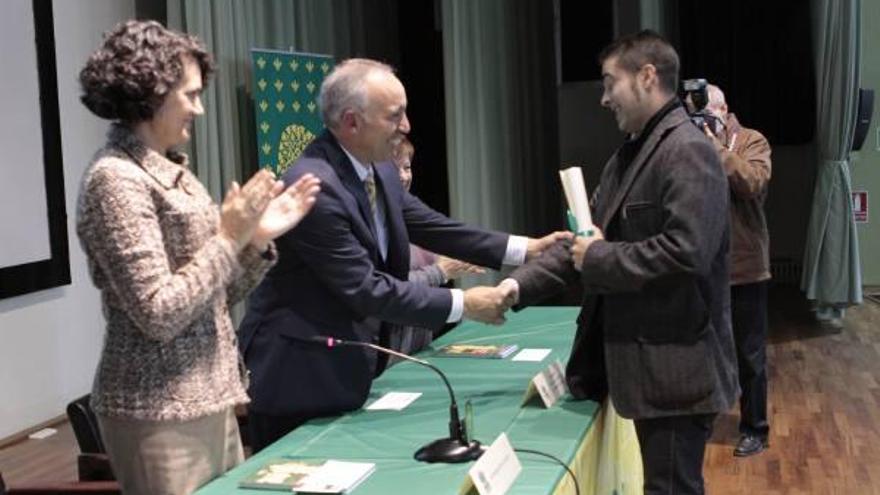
point(573, 225)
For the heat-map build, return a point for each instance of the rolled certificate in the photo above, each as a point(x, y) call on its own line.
point(578, 202)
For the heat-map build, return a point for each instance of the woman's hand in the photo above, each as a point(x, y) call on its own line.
point(244, 206)
point(286, 210)
point(453, 268)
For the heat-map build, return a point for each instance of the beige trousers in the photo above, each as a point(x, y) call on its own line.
point(169, 457)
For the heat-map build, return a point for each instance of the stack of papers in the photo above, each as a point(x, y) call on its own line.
point(336, 477)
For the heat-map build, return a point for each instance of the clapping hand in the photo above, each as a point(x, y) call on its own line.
point(244, 205)
point(286, 209)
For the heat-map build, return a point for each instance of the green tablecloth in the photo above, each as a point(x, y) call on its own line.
point(495, 388)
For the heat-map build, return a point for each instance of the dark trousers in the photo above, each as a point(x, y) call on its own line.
point(266, 429)
point(749, 315)
point(672, 453)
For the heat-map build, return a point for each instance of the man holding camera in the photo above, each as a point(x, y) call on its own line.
point(745, 155)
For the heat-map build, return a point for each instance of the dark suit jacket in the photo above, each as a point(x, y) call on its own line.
point(330, 280)
point(654, 330)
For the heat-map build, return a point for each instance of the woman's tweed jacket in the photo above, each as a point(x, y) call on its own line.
point(150, 231)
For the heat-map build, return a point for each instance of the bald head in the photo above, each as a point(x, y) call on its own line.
point(347, 88)
point(716, 105)
point(716, 96)
point(364, 106)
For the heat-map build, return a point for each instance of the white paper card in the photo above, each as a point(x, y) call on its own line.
point(44, 433)
point(550, 384)
point(532, 355)
point(497, 469)
point(394, 401)
point(576, 195)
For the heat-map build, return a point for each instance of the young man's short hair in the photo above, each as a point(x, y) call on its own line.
point(645, 47)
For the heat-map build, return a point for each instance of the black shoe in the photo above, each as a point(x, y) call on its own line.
point(750, 445)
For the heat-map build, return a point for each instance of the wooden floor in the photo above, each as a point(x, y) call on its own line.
point(50, 459)
point(824, 415)
point(824, 409)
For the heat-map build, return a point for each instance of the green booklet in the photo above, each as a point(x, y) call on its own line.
point(335, 477)
point(477, 351)
point(309, 476)
point(281, 474)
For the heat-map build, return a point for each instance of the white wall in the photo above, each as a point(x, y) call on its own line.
point(50, 340)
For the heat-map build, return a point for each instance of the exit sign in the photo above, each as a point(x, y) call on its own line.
point(860, 206)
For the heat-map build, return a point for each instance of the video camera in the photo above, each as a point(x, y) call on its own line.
point(697, 89)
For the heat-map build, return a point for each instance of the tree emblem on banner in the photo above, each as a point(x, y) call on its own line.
point(286, 88)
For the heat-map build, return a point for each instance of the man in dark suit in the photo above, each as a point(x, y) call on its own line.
point(654, 330)
point(343, 271)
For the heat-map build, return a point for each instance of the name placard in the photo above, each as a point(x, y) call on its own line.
point(549, 385)
point(495, 470)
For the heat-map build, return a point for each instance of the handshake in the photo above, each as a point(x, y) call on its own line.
point(488, 304)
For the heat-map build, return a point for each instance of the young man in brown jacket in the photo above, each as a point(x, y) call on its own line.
point(654, 329)
point(745, 155)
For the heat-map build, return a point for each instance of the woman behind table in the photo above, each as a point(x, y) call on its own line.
point(425, 267)
point(168, 264)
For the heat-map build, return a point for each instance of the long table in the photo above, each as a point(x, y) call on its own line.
point(600, 447)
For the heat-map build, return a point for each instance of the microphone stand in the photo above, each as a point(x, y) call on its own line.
point(453, 449)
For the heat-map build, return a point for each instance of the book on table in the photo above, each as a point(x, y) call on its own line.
point(309, 476)
point(486, 351)
point(280, 474)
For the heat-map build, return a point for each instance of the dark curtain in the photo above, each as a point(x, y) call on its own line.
point(759, 52)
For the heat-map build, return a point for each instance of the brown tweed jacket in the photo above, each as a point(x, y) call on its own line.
point(654, 330)
point(150, 231)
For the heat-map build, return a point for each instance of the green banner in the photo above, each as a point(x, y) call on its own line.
point(286, 87)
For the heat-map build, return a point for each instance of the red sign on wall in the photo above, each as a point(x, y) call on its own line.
point(860, 206)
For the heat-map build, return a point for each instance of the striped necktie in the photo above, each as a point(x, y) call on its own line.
point(370, 186)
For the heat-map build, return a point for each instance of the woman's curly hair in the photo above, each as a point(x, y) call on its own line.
point(127, 78)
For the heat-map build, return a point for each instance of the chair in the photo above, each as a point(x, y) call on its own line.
point(96, 477)
point(85, 426)
point(94, 467)
point(92, 462)
point(88, 435)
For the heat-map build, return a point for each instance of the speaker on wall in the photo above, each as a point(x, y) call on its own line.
point(863, 117)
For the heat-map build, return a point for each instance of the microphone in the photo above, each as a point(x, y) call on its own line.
point(455, 448)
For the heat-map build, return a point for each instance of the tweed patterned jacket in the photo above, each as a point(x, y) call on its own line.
point(150, 231)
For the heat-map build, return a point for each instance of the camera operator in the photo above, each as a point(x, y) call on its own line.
point(745, 155)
